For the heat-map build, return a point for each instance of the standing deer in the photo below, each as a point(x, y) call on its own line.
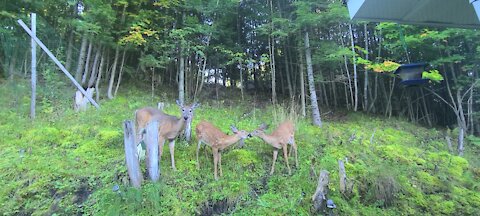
point(169, 127)
point(208, 134)
point(279, 139)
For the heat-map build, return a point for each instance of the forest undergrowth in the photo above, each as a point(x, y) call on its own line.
point(67, 163)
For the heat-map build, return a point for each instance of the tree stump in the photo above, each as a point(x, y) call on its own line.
point(133, 165)
point(319, 197)
point(81, 101)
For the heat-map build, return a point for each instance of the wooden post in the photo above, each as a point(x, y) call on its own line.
point(320, 197)
point(133, 164)
point(346, 186)
point(62, 68)
point(151, 140)
point(33, 66)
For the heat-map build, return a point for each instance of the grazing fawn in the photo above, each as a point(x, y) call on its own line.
point(169, 127)
point(208, 134)
point(279, 139)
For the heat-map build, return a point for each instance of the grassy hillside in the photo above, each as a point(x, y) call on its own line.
point(68, 163)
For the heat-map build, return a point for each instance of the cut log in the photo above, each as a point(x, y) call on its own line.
point(345, 185)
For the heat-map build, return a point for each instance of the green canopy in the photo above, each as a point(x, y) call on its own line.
point(449, 13)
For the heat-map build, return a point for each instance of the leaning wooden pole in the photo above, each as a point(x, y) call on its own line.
point(133, 164)
point(64, 70)
point(151, 140)
point(33, 66)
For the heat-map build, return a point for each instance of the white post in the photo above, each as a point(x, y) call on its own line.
point(151, 140)
point(133, 165)
point(34, 65)
point(64, 70)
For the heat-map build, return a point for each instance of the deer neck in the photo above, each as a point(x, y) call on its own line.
point(180, 124)
point(230, 140)
point(269, 139)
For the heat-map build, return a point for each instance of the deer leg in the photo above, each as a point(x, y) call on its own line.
point(275, 153)
point(220, 162)
point(161, 142)
point(172, 153)
point(198, 149)
point(285, 155)
point(294, 145)
point(215, 162)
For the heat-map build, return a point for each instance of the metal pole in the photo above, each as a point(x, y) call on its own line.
point(34, 65)
point(64, 70)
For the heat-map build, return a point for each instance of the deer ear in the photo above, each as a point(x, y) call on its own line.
point(195, 105)
point(179, 103)
point(234, 129)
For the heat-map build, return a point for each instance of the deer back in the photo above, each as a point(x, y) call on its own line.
point(209, 134)
point(145, 115)
point(284, 132)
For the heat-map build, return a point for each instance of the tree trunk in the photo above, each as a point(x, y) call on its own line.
point(68, 63)
point(81, 58)
point(99, 77)
point(287, 73)
point(96, 60)
point(121, 72)
point(302, 82)
point(365, 86)
point(87, 63)
point(355, 81)
point(271, 45)
point(181, 78)
point(313, 95)
point(112, 74)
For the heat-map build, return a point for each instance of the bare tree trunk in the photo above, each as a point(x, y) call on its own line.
point(68, 62)
point(287, 73)
point(345, 61)
point(96, 60)
point(121, 72)
point(313, 95)
point(181, 78)
point(365, 86)
point(425, 108)
point(81, 58)
point(87, 63)
point(271, 45)
point(355, 81)
point(112, 74)
point(302, 83)
point(99, 77)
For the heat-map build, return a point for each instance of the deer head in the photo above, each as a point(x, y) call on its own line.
point(187, 111)
point(243, 134)
point(260, 130)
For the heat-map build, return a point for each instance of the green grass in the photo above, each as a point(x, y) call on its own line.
point(67, 163)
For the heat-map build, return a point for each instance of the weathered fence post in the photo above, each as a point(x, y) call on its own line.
point(133, 164)
point(151, 140)
point(319, 198)
point(346, 186)
point(33, 66)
